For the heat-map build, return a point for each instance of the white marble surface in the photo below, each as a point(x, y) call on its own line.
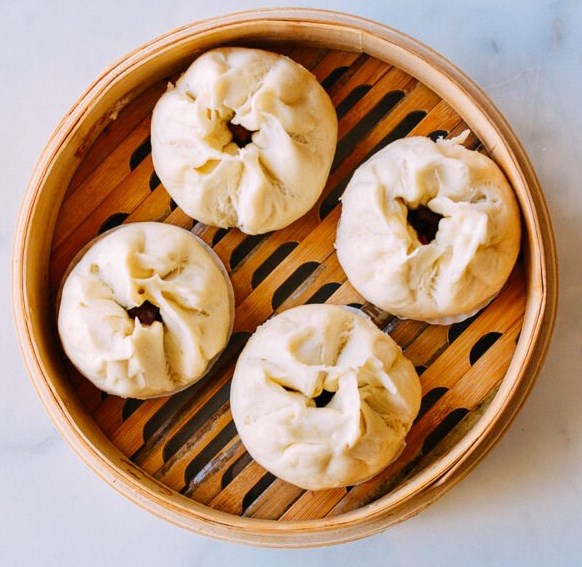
point(521, 506)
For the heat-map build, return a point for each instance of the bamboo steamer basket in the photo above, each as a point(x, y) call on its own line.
point(180, 457)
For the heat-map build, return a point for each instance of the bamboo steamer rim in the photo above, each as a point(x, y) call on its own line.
point(320, 28)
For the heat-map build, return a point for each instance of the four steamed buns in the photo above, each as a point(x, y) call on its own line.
point(320, 396)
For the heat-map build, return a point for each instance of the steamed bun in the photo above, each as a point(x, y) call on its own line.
point(244, 139)
point(456, 271)
point(322, 398)
point(146, 310)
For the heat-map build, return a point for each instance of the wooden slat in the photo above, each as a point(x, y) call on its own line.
point(231, 498)
point(128, 436)
point(274, 501)
point(173, 473)
point(332, 61)
point(103, 180)
point(314, 504)
point(85, 221)
point(208, 484)
point(128, 119)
